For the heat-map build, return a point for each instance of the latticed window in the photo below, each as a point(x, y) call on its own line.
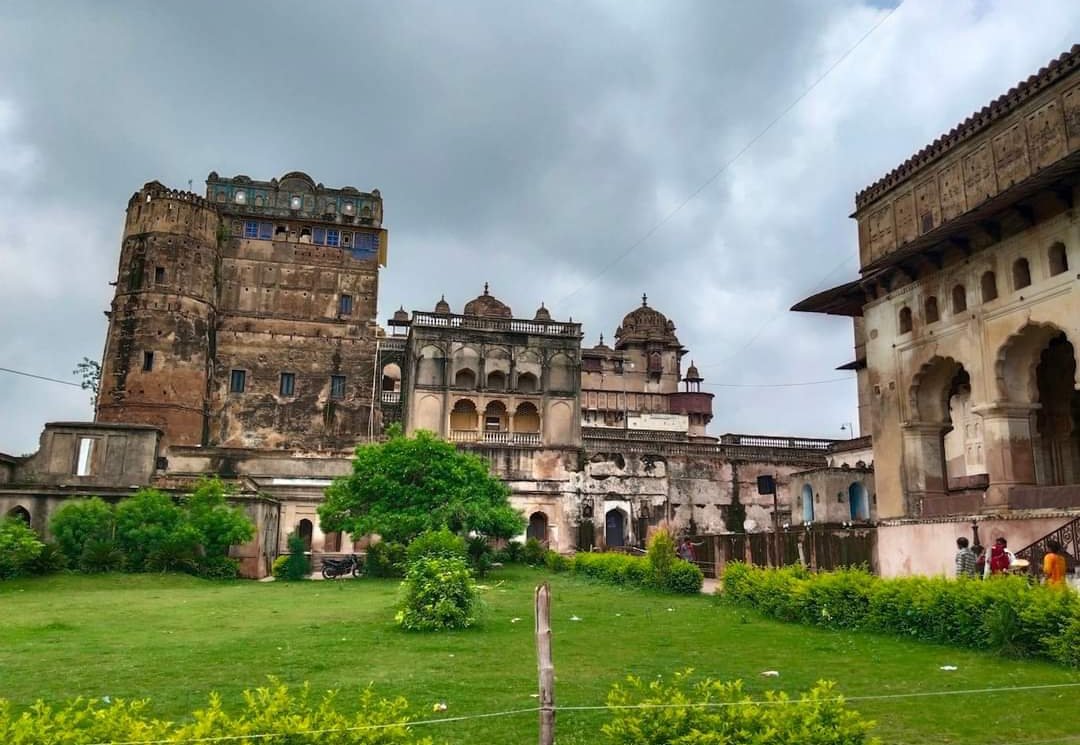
point(251, 229)
point(337, 386)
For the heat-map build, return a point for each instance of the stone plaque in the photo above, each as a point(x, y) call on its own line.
point(1071, 105)
point(904, 207)
point(927, 206)
point(1011, 156)
point(1046, 133)
point(882, 234)
point(953, 202)
point(979, 182)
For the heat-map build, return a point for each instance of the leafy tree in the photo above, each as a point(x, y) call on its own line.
point(407, 485)
point(217, 524)
point(19, 546)
point(76, 524)
point(153, 532)
point(90, 373)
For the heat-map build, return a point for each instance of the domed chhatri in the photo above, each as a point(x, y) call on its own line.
point(442, 306)
point(401, 315)
point(542, 314)
point(645, 324)
point(692, 374)
point(487, 306)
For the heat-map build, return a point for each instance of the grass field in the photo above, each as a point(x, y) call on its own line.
point(173, 639)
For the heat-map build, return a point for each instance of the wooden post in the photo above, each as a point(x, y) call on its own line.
point(545, 667)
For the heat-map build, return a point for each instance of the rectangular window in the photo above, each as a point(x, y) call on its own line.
point(251, 229)
point(159, 275)
point(337, 386)
point(266, 231)
point(237, 381)
point(288, 384)
point(345, 305)
point(333, 237)
point(365, 245)
point(147, 361)
point(346, 239)
point(86, 454)
point(319, 236)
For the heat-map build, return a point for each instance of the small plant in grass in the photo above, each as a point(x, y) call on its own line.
point(481, 556)
point(19, 547)
point(439, 595)
point(297, 566)
point(556, 562)
point(710, 712)
point(533, 553)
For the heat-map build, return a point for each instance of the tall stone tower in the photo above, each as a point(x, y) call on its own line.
point(158, 362)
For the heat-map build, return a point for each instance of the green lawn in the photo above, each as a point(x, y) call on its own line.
point(173, 639)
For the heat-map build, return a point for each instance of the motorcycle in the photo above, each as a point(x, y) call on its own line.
point(334, 568)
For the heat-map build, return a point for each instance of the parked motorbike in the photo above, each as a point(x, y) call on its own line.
point(333, 568)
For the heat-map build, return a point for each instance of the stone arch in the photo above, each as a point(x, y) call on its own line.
point(1058, 259)
point(1021, 273)
point(932, 387)
point(429, 414)
point(858, 502)
point(496, 418)
point(496, 380)
point(560, 373)
point(18, 512)
point(430, 366)
point(464, 416)
point(616, 523)
point(526, 418)
point(988, 286)
point(391, 377)
point(959, 299)
point(527, 383)
point(807, 498)
point(1017, 359)
point(931, 310)
point(538, 527)
point(465, 378)
point(559, 423)
point(466, 367)
point(903, 321)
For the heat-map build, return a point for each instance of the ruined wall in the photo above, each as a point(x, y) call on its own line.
point(91, 455)
point(158, 351)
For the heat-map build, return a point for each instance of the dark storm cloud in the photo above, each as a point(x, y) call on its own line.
point(523, 144)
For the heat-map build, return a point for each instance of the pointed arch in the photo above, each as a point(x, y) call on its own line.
point(1017, 359)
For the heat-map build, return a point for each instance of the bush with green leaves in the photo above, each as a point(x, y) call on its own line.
point(385, 559)
point(49, 561)
point(512, 553)
point(1003, 614)
point(661, 555)
point(710, 712)
point(80, 522)
point(533, 553)
point(439, 594)
point(556, 562)
point(153, 534)
point(684, 578)
point(297, 565)
point(19, 547)
point(434, 543)
point(637, 571)
point(101, 556)
point(481, 555)
point(300, 716)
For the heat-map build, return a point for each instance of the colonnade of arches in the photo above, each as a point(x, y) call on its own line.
point(466, 417)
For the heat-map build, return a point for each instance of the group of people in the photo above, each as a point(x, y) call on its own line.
point(974, 561)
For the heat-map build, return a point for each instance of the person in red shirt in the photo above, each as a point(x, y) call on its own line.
point(999, 557)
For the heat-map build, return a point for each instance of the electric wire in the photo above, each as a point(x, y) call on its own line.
point(38, 377)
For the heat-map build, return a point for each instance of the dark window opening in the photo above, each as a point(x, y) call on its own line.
point(989, 287)
point(1059, 259)
point(237, 381)
point(345, 305)
point(279, 233)
point(905, 320)
point(288, 384)
point(147, 361)
point(932, 314)
point(159, 275)
point(337, 386)
point(959, 299)
point(1021, 274)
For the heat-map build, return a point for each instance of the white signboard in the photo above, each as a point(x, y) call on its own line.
point(661, 422)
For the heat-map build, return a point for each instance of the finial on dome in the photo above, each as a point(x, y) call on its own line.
point(601, 338)
point(485, 288)
point(644, 300)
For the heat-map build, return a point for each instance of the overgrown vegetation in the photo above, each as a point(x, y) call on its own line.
point(711, 712)
point(275, 708)
point(19, 548)
point(678, 576)
point(439, 594)
point(410, 485)
point(296, 565)
point(151, 531)
point(1005, 614)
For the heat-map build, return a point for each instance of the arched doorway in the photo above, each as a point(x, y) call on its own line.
point(808, 503)
point(20, 513)
point(391, 378)
point(1057, 433)
point(938, 389)
point(615, 528)
point(304, 530)
point(859, 502)
point(463, 417)
point(538, 527)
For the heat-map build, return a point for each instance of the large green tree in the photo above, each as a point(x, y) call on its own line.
point(407, 485)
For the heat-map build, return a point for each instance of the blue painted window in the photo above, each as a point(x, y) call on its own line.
point(251, 229)
point(319, 236)
point(237, 381)
point(337, 386)
point(266, 231)
point(288, 383)
point(332, 237)
point(345, 305)
point(365, 245)
point(346, 239)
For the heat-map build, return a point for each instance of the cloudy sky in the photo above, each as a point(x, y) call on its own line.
point(541, 147)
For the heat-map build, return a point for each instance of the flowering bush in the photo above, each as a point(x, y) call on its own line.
point(439, 595)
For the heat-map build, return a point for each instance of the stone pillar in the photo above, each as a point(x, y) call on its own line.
point(923, 464)
point(1010, 460)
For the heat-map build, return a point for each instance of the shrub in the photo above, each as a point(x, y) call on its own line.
point(217, 526)
point(297, 566)
point(49, 561)
point(101, 556)
point(439, 595)
point(729, 716)
point(661, 556)
point(152, 532)
point(19, 547)
point(434, 543)
point(515, 552)
point(217, 567)
point(302, 718)
point(77, 523)
point(533, 553)
point(385, 559)
point(684, 578)
point(480, 554)
point(556, 562)
point(277, 569)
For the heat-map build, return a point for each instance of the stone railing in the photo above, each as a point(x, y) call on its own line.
point(391, 397)
point(390, 344)
point(812, 458)
point(495, 438)
point(479, 323)
point(767, 441)
point(646, 435)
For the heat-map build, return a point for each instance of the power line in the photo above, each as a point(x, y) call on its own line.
point(776, 385)
point(730, 162)
point(38, 377)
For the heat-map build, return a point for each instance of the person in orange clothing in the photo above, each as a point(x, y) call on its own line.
point(1054, 565)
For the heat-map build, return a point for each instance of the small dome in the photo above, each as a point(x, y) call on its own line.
point(692, 373)
point(645, 324)
point(401, 315)
point(487, 305)
point(542, 314)
point(442, 306)
point(602, 345)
